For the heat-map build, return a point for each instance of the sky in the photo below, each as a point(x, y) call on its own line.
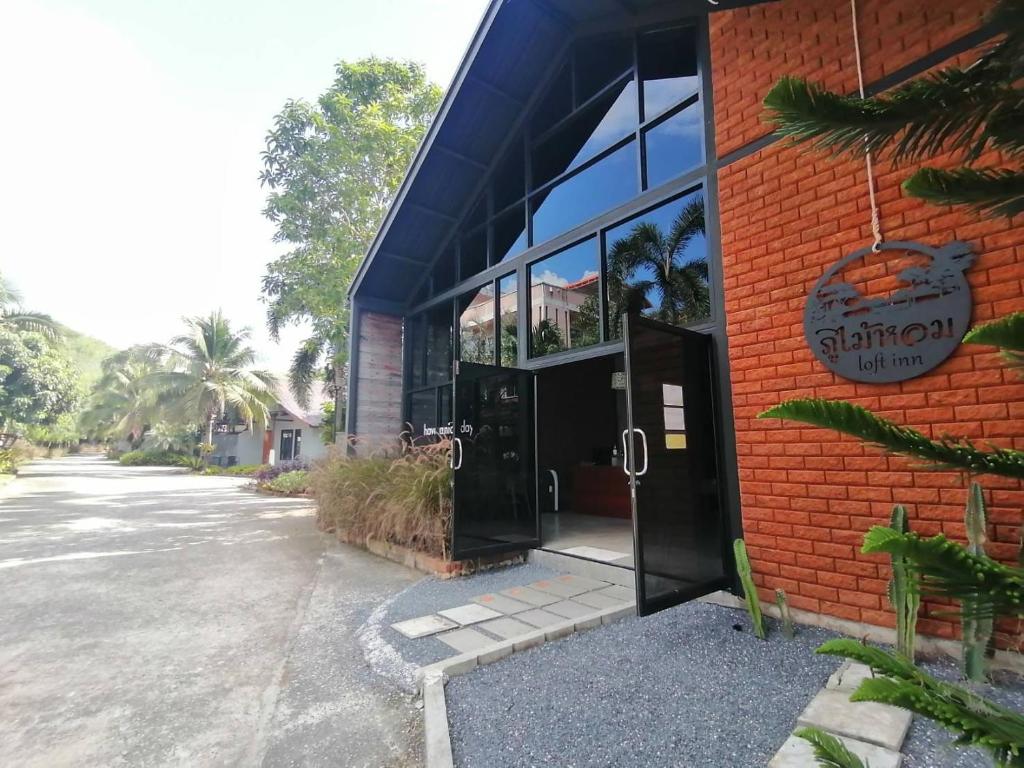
point(132, 133)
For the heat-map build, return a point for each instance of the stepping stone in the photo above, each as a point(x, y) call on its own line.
point(848, 677)
point(588, 585)
point(620, 593)
point(502, 604)
point(531, 596)
point(466, 640)
point(597, 601)
point(470, 614)
point(507, 628)
point(423, 626)
point(798, 753)
point(596, 553)
point(570, 609)
point(558, 588)
point(867, 721)
point(540, 618)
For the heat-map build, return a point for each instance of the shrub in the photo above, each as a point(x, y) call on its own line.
point(404, 499)
point(239, 470)
point(151, 459)
point(290, 482)
point(8, 462)
point(266, 474)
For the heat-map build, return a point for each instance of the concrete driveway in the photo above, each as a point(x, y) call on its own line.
point(154, 618)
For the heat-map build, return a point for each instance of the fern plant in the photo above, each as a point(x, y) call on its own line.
point(829, 751)
point(976, 628)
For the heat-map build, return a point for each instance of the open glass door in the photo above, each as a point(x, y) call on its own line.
point(672, 462)
point(495, 492)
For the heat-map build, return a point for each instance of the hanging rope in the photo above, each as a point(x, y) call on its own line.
point(876, 223)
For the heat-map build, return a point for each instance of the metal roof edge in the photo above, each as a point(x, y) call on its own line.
point(423, 150)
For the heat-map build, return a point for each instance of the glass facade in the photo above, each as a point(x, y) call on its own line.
point(622, 116)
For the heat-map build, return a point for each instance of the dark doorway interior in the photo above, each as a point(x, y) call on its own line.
point(584, 492)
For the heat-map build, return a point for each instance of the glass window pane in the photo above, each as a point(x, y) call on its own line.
point(608, 183)
point(477, 215)
point(422, 414)
point(598, 62)
point(473, 254)
point(675, 145)
point(439, 344)
point(508, 302)
point(564, 311)
point(510, 233)
point(594, 129)
point(657, 264)
point(557, 102)
point(415, 348)
point(444, 271)
point(509, 183)
point(476, 326)
point(668, 67)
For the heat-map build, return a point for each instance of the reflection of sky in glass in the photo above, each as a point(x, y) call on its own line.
point(674, 146)
point(662, 93)
point(662, 217)
point(568, 266)
point(610, 182)
point(619, 121)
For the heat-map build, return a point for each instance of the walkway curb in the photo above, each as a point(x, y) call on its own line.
point(435, 723)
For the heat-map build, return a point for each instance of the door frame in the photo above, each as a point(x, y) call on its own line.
point(644, 606)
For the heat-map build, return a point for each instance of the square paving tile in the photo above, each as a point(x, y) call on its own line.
point(507, 628)
point(589, 585)
point(540, 618)
point(502, 604)
point(466, 640)
point(471, 613)
point(622, 594)
point(424, 626)
point(570, 609)
point(558, 588)
point(867, 721)
point(531, 596)
point(597, 601)
point(798, 753)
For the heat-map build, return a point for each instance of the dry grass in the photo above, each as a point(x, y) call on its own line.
point(399, 493)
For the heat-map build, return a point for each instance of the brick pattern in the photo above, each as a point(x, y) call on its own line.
point(752, 47)
point(807, 494)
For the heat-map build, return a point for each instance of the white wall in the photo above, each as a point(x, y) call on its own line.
point(247, 447)
point(312, 445)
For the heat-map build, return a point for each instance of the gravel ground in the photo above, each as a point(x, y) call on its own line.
point(680, 688)
point(431, 595)
point(930, 746)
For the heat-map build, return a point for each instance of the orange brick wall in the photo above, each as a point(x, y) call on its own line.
point(808, 495)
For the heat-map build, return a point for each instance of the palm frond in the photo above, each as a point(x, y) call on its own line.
point(829, 751)
point(985, 586)
point(856, 421)
point(995, 191)
point(303, 369)
point(32, 322)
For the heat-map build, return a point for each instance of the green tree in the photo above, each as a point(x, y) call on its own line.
point(585, 324)
point(332, 168)
point(38, 384)
point(683, 286)
point(547, 338)
point(124, 401)
point(209, 372)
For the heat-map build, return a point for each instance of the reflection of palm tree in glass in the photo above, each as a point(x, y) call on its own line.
point(547, 338)
point(685, 296)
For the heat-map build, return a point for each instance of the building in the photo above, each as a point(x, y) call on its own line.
point(293, 433)
point(611, 155)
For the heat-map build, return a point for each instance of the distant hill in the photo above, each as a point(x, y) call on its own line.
point(87, 353)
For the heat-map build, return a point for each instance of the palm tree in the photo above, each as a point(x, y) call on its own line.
point(210, 372)
point(683, 287)
point(124, 402)
point(13, 316)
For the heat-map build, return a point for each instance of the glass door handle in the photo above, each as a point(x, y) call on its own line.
point(643, 438)
point(457, 441)
point(625, 453)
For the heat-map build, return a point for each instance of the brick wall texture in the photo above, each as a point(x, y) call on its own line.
point(808, 495)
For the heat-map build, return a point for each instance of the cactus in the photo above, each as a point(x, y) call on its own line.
point(787, 620)
point(976, 630)
point(749, 590)
point(903, 591)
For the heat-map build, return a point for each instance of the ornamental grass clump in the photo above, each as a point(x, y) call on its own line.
point(400, 496)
